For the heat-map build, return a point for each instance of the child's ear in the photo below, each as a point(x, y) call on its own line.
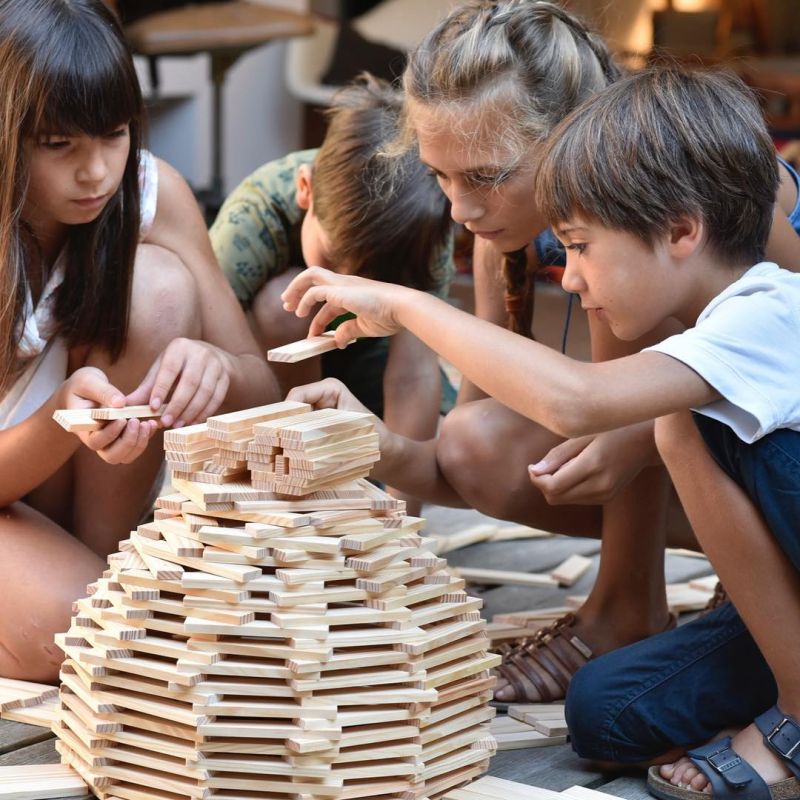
point(304, 186)
point(686, 235)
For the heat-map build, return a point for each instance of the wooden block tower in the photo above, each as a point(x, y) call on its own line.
point(280, 631)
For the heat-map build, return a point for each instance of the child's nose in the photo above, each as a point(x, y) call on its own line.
point(94, 167)
point(571, 280)
point(465, 207)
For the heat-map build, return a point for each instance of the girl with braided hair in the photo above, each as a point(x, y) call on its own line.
point(483, 91)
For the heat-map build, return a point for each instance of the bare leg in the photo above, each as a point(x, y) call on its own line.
point(97, 502)
point(109, 500)
point(627, 602)
point(43, 570)
point(766, 592)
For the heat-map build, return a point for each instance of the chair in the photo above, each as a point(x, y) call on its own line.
point(399, 24)
point(224, 30)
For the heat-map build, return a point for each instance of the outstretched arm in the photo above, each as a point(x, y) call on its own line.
point(569, 397)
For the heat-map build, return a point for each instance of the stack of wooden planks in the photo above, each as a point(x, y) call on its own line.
point(252, 644)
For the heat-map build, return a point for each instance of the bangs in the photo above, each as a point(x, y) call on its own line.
point(92, 85)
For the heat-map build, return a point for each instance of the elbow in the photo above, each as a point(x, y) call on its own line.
point(574, 412)
point(569, 423)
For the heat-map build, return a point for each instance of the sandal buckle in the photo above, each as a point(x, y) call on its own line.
point(722, 761)
point(777, 730)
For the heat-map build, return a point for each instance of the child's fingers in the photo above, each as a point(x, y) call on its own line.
point(212, 405)
point(298, 287)
point(327, 393)
point(212, 379)
point(143, 393)
point(347, 331)
point(560, 455)
point(315, 295)
point(100, 439)
point(323, 318)
point(172, 365)
point(91, 384)
point(131, 443)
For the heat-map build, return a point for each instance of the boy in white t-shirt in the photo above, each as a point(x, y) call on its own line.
point(662, 189)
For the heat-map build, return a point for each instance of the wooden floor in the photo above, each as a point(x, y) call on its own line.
point(555, 768)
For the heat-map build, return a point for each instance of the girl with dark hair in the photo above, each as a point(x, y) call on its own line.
point(108, 286)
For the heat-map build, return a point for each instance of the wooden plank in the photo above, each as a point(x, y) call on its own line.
point(496, 576)
point(42, 715)
point(304, 348)
point(571, 569)
point(126, 412)
point(40, 781)
point(18, 694)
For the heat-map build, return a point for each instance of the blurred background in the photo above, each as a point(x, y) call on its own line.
point(233, 84)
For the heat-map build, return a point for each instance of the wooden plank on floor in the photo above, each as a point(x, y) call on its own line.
point(43, 752)
point(15, 735)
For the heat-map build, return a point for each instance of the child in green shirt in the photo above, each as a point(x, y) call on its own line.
point(350, 209)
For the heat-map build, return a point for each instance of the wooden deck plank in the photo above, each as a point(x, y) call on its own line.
point(43, 752)
point(555, 768)
point(15, 735)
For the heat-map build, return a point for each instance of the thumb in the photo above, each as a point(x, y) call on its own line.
point(93, 385)
point(553, 460)
point(347, 332)
point(141, 394)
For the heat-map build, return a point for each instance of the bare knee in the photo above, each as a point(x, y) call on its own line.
point(482, 443)
point(274, 327)
point(44, 570)
point(672, 435)
point(164, 301)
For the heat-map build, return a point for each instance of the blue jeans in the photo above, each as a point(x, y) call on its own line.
point(680, 688)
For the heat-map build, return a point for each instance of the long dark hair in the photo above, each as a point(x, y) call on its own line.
point(65, 68)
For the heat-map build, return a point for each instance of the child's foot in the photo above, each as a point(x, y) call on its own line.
point(540, 668)
point(749, 744)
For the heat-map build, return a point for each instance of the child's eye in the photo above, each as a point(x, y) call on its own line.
point(54, 142)
point(577, 247)
point(490, 179)
point(118, 133)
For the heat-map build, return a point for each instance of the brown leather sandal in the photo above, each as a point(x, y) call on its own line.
point(552, 651)
point(719, 598)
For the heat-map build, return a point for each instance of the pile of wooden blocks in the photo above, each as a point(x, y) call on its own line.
point(247, 644)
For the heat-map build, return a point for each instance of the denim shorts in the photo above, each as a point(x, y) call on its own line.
point(680, 688)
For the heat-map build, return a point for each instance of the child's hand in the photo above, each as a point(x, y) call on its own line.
point(327, 393)
point(332, 393)
point(373, 302)
point(117, 442)
point(194, 375)
point(591, 470)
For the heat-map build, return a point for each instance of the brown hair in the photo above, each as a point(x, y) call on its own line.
point(524, 64)
point(387, 220)
point(663, 144)
point(65, 69)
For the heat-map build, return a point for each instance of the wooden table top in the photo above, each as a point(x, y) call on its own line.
point(237, 25)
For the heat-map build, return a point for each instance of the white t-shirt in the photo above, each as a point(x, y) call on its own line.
point(746, 344)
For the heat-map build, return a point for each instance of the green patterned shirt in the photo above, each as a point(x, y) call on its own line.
point(256, 235)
